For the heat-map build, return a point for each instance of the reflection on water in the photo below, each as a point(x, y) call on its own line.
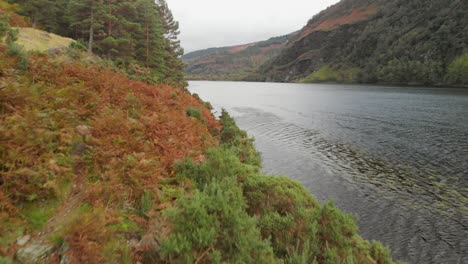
point(395, 157)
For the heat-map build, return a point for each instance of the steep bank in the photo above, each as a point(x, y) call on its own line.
point(98, 168)
point(374, 41)
point(87, 176)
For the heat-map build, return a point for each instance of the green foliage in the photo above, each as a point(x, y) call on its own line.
point(195, 113)
point(141, 36)
point(17, 51)
point(237, 141)
point(341, 74)
point(11, 35)
point(234, 214)
point(402, 42)
point(78, 46)
point(4, 27)
point(220, 163)
point(287, 214)
point(37, 214)
point(146, 203)
point(401, 71)
point(212, 213)
point(458, 70)
point(4, 260)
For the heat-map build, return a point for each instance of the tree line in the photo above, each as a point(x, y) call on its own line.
point(141, 32)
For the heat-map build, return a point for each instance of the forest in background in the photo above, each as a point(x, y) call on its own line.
point(140, 36)
point(375, 41)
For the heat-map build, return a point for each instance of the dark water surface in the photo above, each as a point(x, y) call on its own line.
point(395, 157)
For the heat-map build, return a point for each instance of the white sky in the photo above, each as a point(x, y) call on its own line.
point(218, 23)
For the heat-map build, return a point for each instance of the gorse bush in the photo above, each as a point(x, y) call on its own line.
point(195, 113)
point(235, 139)
point(212, 226)
point(234, 214)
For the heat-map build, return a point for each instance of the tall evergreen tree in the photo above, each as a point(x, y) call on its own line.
point(130, 32)
point(42, 12)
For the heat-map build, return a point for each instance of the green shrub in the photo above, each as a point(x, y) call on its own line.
point(286, 212)
point(78, 45)
point(327, 73)
point(220, 163)
point(458, 70)
point(237, 140)
point(4, 27)
point(17, 51)
point(146, 203)
point(213, 212)
point(195, 113)
point(231, 213)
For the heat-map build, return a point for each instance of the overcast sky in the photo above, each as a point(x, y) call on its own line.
point(217, 23)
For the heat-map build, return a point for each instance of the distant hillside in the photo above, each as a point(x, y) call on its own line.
point(377, 41)
point(232, 63)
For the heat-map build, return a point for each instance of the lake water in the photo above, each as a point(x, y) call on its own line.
point(395, 157)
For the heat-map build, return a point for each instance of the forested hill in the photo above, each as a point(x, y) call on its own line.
point(140, 36)
point(378, 41)
point(232, 63)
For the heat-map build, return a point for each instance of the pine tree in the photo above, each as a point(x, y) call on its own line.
point(42, 12)
point(87, 19)
point(171, 28)
point(173, 49)
point(130, 32)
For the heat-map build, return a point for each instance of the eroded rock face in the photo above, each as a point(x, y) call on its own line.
point(37, 253)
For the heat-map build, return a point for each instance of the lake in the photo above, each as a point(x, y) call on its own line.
point(396, 157)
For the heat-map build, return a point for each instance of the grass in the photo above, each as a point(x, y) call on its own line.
point(37, 214)
point(37, 40)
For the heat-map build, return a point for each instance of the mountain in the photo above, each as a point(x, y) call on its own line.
point(378, 41)
point(232, 63)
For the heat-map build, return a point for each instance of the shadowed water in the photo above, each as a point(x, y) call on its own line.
point(395, 157)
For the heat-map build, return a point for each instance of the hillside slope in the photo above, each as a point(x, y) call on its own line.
point(98, 168)
point(232, 63)
point(377, 41)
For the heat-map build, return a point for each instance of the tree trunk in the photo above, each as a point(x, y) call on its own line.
point(147, 45)
point(91, 28)
point(34, 21)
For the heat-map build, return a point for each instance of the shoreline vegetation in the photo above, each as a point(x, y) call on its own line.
point(435, 86)
point(100, 165)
